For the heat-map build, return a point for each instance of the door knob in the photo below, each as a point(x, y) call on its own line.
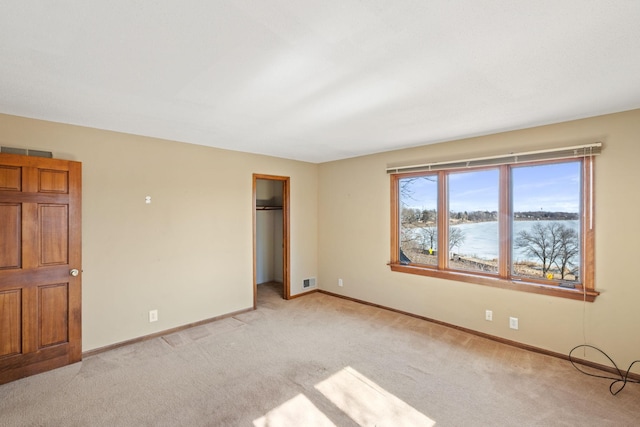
point(74, 272)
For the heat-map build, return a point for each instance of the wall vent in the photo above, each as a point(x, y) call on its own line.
point(26, 152)
point(309, 283)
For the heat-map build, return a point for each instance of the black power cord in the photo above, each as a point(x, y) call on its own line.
point(624, 377)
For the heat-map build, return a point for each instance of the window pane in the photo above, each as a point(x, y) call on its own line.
point(546, 221)
point(473, 220)
point(418, 219)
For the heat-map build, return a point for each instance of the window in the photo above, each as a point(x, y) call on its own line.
point(520, 225)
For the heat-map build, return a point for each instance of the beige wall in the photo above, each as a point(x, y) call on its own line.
point(189, 253)
point(354, 232)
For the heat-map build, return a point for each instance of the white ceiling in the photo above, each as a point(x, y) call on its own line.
point(318, 80)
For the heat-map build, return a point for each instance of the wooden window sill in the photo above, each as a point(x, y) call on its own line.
point(497, 282)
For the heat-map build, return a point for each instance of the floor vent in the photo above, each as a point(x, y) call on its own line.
point(309, 283)
point(26, 152)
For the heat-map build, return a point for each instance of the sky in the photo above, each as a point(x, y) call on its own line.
point(551, 187)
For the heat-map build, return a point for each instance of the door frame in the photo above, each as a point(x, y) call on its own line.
point(285, 235)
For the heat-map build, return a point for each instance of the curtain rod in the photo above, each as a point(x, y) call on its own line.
point(548, 154)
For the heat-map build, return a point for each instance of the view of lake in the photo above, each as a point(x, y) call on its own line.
point(481, 238)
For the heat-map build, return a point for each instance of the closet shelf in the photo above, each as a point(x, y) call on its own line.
point(268, 208)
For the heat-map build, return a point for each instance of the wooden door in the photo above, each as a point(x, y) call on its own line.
point(40, 249)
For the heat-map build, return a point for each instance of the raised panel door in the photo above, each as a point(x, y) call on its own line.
point(40, 301)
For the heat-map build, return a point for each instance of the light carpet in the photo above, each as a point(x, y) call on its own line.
point(317, 360)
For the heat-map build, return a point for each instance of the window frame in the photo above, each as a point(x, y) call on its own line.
point(585, 290)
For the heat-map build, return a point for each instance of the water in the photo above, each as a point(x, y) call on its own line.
point(481, 238)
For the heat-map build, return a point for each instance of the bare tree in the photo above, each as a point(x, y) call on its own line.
point(406, 190)
point(409, 215)
point(408, 238)
point(456, 237)
point(552, 243)
point(429, 215)
point(569, 247)
point(428, 237)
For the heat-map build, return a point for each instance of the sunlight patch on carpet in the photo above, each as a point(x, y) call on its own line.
point(298, 411)
point(367, 403)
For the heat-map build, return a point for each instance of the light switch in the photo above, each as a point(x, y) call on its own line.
point(147, 199)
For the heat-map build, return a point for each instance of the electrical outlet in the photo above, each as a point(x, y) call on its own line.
point(488, 315)
point(513, 323)
point(340, 282)
point(153, 315)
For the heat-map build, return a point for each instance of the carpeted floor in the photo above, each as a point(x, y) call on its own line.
point(317, 361)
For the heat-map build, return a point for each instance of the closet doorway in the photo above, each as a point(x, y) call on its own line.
point(270, 233)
